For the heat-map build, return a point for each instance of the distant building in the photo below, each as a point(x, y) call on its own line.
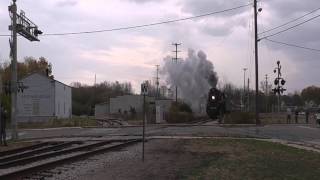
point(43, 99)
point(101, 110)
point(124, 105)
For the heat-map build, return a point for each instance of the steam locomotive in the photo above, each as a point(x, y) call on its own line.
point(216, 104)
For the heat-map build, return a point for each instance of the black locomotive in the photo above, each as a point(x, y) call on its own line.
point(216, 104)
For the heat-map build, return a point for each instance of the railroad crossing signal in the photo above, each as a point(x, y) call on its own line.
point(144, 88)
point(279, 81)
point(7, 87)
point(24, 26)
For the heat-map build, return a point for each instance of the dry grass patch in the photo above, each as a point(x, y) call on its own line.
point(250, 159)
point(16, 145)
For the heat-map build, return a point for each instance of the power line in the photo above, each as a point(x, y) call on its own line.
point(145, 25)
point(293, 45)
point(289, 27)
point(293, 20)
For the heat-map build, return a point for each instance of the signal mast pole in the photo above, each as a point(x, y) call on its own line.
point(14, 76)
point(26, 28)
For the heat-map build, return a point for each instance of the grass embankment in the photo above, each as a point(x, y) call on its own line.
point(250, 159)
point(55, 123)
point(15, 144)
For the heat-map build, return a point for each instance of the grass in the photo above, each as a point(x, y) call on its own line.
point(54, 123)
point(15, 145)
point(250, 159)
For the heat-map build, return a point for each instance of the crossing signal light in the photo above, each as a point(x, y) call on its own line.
point(37, 32)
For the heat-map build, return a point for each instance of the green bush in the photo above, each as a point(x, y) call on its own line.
point(180, 107)
point(240, 118)
point(179, 112)
point(179, 117)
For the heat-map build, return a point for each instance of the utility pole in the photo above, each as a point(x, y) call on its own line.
point(244, 88)
point(175, 59)
point(248, 95)
point(266, 84)
point(93, 105)
point(266, 93)
point(157, 82)
point(256, 61)
point(26, 28)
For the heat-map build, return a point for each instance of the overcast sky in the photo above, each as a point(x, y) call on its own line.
point(131, 55)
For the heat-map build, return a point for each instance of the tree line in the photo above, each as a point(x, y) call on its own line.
point(27, 66)
point(307, 98)
point(84, 97)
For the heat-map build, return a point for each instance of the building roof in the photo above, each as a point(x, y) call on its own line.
point(30, 74)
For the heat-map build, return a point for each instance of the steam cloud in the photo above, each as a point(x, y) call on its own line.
point(194, 76)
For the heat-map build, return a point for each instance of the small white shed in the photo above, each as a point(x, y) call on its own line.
point(43, 99)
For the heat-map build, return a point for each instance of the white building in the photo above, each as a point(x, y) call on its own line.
point(124, 104)
point(43, 99)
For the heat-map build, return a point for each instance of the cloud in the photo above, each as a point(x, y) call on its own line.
point(146, 1)
point(289, 8)
point(132, 54)
point(197, 7)
point(65, 3)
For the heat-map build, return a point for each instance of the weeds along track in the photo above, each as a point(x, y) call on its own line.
point(35, 162)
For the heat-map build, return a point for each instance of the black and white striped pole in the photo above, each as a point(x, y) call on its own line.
point(144, 92)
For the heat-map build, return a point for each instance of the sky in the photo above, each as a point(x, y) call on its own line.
point(131, 55)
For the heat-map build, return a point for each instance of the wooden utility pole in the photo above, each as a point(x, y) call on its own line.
point(175, 59)
point(157, 82)
point(244, 89)
point(256, 61)
point(266, 93)
point(248, 91)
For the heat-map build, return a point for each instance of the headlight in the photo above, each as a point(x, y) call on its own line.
point(213, 97)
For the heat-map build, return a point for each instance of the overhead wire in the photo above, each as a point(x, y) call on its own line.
point(293, 20)
point(144, 25)
point(289, 28)
point(293, 45)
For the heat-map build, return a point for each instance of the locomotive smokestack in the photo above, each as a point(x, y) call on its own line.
point(194, 76)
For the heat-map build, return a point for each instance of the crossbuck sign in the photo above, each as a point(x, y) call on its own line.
point(144, 88)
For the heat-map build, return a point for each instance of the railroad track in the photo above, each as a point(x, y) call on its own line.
point(35, 162)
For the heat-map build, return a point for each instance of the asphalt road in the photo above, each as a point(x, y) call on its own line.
point(294, 132)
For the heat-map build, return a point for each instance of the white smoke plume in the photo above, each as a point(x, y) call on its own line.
point(194, 76)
